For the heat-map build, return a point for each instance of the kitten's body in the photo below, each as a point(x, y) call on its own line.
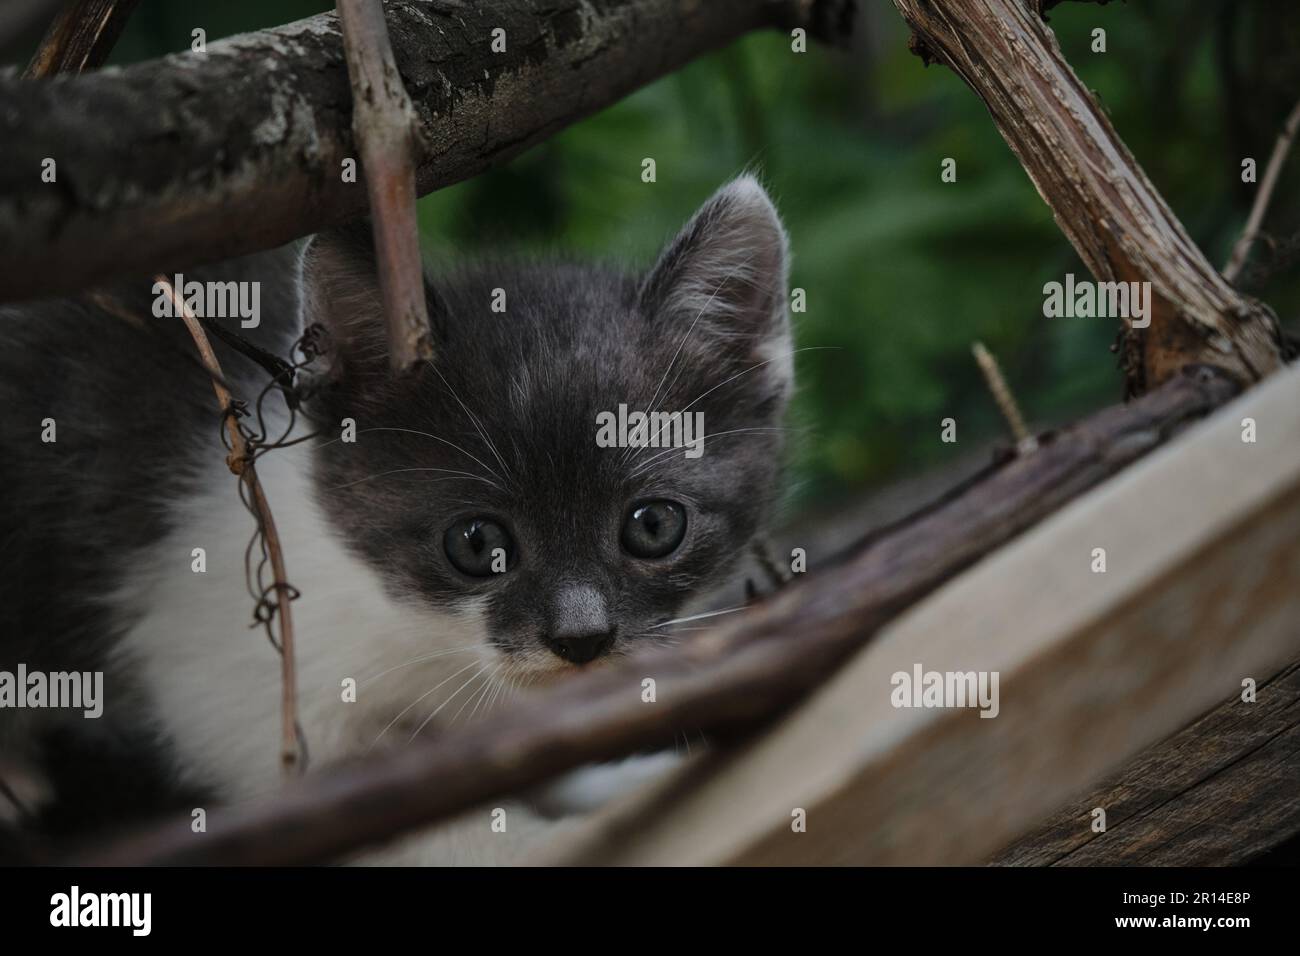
point(102, 524)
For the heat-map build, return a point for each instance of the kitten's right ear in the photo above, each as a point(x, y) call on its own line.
point(338, 284)
point(721, 283)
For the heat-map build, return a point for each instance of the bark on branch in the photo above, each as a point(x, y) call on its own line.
point(156, 171)
point(1102, 200)
point(81, 37)
point(388, 134)
point(727, 681)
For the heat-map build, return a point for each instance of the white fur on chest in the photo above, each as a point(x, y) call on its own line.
point(215, 682)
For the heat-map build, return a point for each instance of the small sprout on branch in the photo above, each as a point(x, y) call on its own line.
point(1241, 251)
point(1006, 402)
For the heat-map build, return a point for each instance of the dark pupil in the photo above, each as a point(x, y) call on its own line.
point(474, 535)
point(649, 518)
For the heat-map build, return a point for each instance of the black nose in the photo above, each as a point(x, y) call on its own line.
point(581, 648)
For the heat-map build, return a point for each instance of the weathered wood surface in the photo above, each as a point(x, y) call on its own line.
point(1102, 200)
point(1203, 552)
point(730, 680)
point(198, 157)
point(1220, 792)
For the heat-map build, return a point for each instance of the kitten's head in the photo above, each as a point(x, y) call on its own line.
point(484, 480)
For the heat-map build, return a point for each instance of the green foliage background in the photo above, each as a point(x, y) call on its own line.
point(902, 271)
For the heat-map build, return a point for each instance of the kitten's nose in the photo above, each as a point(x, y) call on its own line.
point(581, 648)
point(579, 626)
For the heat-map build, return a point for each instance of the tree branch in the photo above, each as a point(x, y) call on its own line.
point(386, 127)
point(725, 682)
point(1256, 219)
point(81, 37)
point(1102, 200)
point(155, 172)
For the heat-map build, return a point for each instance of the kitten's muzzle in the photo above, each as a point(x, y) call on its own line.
point(581, 648)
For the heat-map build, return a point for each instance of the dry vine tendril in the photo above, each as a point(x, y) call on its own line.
point(255, 433)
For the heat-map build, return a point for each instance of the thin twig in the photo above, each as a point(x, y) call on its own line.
point(241, 464)
point(81, 37)
point(387, 131)
point(1256, 219)
point(1006, 402)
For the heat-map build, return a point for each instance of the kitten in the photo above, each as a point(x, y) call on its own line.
point(473, 536)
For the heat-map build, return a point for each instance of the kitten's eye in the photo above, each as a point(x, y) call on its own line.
point(654, 529)
point(472, 547)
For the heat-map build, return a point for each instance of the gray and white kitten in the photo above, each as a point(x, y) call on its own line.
point(389, 537)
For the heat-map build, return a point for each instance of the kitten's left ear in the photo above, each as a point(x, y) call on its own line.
point(725, 275)
point(339, 288)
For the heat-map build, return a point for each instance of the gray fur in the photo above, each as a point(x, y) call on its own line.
point(512, 400)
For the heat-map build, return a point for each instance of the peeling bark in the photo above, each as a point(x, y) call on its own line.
point(197, 157)
point(1102, 200)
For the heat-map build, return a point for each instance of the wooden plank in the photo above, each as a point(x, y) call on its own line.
point(1220, 792)
point(1203, 558)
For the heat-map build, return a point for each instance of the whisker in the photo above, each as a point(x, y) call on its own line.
point(475, 695)
point(415, 660)
point(452, 697)
point(643, 466)
point(696, 617)
point(415, 431)
point(489, 686)
point(792, 352)
point(461, 476)
point(502, 683)
point(682, 344)
point(416, 701)
point(808, 348)
point(478, 426)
